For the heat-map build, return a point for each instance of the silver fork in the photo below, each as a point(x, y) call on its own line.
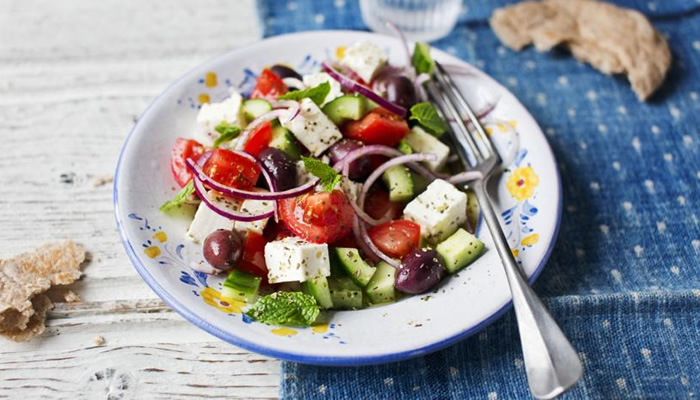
point(551, 363)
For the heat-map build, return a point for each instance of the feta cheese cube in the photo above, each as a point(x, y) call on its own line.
point(313, 128)
point(423, 142)
point(312, 80)
point(207, 221)
point(212, 114)
point(293, 259)
point(254, 207)
point(439, 211)
point(351, 189)
point(365, 59)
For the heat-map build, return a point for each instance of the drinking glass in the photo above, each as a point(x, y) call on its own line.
point(420, 20)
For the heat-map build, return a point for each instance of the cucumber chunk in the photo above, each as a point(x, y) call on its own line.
point(400, 183)
point(459, 250)
point(345, 295)
point(356, 268)
point(318, 288)
point(241, 286)
point(345, 108)
point(282, 139)
point(380, 288)
point(253, 108)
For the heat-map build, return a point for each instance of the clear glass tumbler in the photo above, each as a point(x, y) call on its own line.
point(420, 20)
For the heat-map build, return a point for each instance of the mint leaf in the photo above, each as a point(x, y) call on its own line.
point(182, 196)
point(227, 133)
point(426, 115)
point(317, 93)
point(328, 176)
point(404, 147)
point(422, 61)
point(285, 308)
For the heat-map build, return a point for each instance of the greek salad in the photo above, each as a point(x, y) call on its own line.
point(326, 191)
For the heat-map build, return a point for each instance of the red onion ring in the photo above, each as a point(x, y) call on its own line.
point(268, 178)
point(384, 151)
point(198, 172)
point(360, 232)
point(202, 193)
point(354, 86)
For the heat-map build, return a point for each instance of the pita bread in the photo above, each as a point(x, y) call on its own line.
point(24, 279)
point(612, 39)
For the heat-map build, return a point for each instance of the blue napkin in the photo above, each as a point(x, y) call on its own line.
point(624, 278)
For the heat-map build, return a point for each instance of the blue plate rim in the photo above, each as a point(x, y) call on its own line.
point(288, 356)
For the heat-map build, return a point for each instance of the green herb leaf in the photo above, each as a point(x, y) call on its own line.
point(182, 196)
point(328, 176)
point(317, 93)
point(426, 115)
point(404, 147)
point(285, 308)
point(422, 61)
point(227, 133)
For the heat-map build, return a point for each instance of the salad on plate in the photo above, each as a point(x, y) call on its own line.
point(334, 190)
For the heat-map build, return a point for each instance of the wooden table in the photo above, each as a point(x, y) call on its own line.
point(74, 76)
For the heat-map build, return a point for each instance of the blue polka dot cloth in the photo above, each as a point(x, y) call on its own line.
point(624, 278)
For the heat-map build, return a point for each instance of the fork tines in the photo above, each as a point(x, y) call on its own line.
point(474, 145)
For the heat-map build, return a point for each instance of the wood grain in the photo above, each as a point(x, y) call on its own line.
point(74, 76)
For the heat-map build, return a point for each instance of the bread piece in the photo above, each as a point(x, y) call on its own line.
point(612, 39)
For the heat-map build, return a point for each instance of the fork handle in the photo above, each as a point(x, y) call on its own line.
point(551, 363)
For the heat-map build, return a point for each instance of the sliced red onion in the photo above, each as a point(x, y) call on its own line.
point(384, 151)
point(465, 177)
point(202, 193)
point(411, 72)
point(354, 86)
point(266, 175)
point(198, 172)
point(360, 232)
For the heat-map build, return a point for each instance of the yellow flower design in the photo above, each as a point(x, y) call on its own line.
point(530, 240)
point(160, 236)
point(522, 183)
point(152, 251)
point(210, 80)
point(214, 298)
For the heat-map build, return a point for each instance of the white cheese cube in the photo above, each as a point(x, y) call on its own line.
point(439, 211)
point(212, 114)
point(313, 80)
point(293, 259)
point(365, 59)
point(254, 207)
point(423, 142)
point(207, 221)
point(312, 128)
point(351, 189)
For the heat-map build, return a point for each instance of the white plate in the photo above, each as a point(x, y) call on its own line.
point(528, 196)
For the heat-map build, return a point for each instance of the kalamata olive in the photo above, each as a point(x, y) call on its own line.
point(223, 249)
point(285, 72)
point(400, 90)
point(280, 166)
point(360, 168)
point(420, 271)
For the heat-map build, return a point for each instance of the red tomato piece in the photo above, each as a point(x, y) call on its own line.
point(396, 238)
point(377, 204)
point(378, 127)
point(184, 149)
point(259, 139)
point(231, 169)
point(253, 260)
point(269, 86)
point(319, 217)
point(347, 241)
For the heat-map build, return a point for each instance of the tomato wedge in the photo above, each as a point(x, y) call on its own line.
point(378, 127)
point(182, 150)
point(396, 238)
point(319, 217)
point(258, 139)
point(253, 260)
point(231, 169)
point(269, 86)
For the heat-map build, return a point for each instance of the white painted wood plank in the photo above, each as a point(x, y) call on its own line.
point(74, 76)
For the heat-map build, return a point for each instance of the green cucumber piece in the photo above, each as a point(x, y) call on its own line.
point(282, 139)
point(398, 180)
point(241, 286)
point(459, 250)
point(345, 108)
point(318, 288)
point(253, 108)
point(380, 288)
point(345, 295)
point(356, 268)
